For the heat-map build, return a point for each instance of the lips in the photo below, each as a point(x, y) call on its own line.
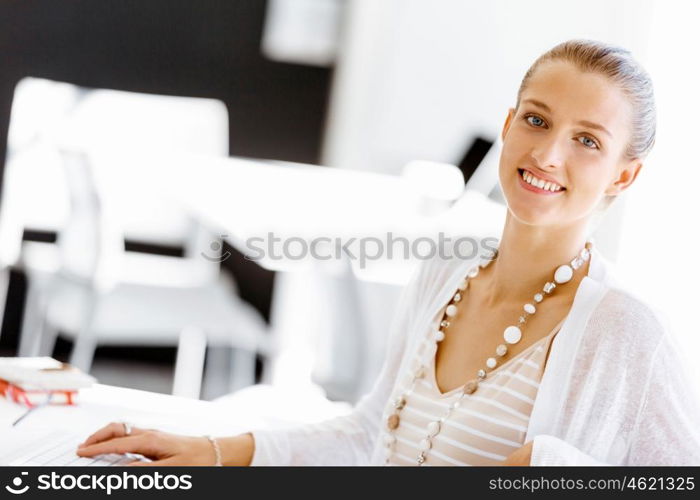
point(529, 187)
point(544, 177)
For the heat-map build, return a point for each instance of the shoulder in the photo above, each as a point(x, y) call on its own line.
point(624, 316)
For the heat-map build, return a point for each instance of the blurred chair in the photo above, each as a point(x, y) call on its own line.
point(37, 107)
point(10, 238)
point(116, 296)
point(96, 298)
point(342, 351)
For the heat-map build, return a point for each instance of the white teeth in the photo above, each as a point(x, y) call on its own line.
point(540, 183)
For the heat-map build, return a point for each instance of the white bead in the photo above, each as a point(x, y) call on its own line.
point(563, 274)
point(451, 310)
point(433, 429)
point(529, 308)
point(538, 297)
point(585, 254)
point(491, 362)
point(473, 272)
point(454, 405)
point(501, 350)
point(424, 445)
point(463, 285)
point(457, 297)
point(512, 334)
point(439, 335)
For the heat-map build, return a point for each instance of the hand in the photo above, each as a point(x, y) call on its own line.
point(520, 457)
point(166, 449)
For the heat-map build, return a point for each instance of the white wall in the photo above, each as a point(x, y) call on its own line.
point(661, 234)
point(417, 78)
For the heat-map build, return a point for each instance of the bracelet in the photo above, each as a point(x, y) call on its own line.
point(217, 450)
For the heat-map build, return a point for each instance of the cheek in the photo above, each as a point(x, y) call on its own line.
point(588, 178)
point(513, 149)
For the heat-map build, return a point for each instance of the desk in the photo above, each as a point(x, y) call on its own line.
point(240, 412)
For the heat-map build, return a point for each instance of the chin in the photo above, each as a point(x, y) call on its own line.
point(530, 211)
point(532, 217)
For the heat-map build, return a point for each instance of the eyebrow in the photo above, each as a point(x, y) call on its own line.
point(585, 123)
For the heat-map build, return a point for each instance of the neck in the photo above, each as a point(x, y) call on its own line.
point(527, 259)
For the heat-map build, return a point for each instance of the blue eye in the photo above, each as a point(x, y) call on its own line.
point(535, 121)
point(588, 142)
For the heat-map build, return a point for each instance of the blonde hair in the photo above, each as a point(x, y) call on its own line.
point(621, 68)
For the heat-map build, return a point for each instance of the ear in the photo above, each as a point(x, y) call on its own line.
point(626, 176)
point(508, 122)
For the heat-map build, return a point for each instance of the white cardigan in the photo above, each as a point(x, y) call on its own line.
point(614, 391)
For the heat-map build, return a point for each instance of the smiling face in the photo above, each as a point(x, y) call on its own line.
point(571, 128)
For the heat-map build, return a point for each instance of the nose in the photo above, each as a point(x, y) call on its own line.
point(548, 152)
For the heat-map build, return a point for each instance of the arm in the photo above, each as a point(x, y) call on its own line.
point(665, 430)
point(343, 440)
point(550, 450)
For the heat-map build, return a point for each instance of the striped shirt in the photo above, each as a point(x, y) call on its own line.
point(487, 426)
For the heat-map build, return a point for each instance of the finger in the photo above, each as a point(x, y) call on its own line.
point(121, 445)
point(142, 463)
point(107, 432)
point(166, 462)
point(113, 430)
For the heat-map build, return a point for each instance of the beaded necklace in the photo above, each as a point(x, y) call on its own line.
point(511, 335)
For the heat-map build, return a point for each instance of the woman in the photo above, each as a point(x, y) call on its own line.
point(464, 381)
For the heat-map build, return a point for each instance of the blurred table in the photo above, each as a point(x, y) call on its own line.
point(102, 404)
point(238, 412)
point(246, 201)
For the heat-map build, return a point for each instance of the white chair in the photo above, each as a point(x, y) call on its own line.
point(92, 267)
point(10, 238)
point(95, 300)
point(38, 106)
point(343, 343)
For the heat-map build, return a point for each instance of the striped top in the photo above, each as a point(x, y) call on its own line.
point(489, 424)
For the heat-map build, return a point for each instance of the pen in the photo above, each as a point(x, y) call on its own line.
point(48, 400)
